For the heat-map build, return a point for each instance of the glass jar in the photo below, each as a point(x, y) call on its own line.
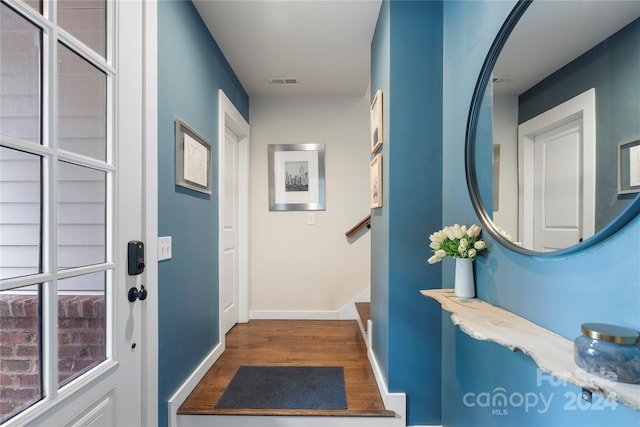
point(609, 351)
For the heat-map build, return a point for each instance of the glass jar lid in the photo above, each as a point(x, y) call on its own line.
point(610, 333)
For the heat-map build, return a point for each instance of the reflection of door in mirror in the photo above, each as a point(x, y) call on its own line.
point(585, 46)
point(556, 157)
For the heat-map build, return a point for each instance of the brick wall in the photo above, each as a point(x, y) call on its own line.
point(81, 344)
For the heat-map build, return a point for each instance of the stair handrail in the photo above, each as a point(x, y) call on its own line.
point(365, 222)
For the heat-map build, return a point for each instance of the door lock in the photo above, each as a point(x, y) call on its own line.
point(134, 294)
point(135, 257)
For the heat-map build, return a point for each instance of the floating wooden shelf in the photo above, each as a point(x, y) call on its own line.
point(552, 353)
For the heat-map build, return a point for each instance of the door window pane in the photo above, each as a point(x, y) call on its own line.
point(82, 112)
point(81, 216)
point(20, 213)
point(35, 4)
point(20, 364)
point(86, 20)
point(81, 325)
point(20, 50)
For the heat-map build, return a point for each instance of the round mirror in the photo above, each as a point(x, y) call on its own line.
point(553, 137)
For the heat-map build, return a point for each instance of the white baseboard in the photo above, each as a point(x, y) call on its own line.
point(187, 387)
point(396, 402)
point(294, 315)
point(347, 312)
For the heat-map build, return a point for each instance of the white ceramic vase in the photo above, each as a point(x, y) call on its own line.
point(464, 283)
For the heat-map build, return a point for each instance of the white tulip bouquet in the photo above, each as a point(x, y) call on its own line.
point(457, 242)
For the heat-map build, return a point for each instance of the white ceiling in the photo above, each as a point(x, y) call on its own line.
point(324, 44)
point(553, 33)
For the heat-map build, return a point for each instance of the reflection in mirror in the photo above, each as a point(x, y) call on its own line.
point(564, 92)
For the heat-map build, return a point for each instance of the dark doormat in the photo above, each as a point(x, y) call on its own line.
point(285, 387)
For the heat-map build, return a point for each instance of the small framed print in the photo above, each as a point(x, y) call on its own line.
point(193, 159)
point(629, 167)
point(375, 113)
point(376, 182)
point(296, 177)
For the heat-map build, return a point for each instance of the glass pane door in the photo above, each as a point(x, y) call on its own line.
point(56, 198)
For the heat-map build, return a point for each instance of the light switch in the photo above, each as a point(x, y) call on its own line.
point(164, 248)
point(311, 219)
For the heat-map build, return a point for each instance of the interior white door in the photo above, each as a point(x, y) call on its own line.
point(556, 161)
point(229, 274)
point(557, 220)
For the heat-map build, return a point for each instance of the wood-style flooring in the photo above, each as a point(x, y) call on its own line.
point(364, 312)
point(292, 343)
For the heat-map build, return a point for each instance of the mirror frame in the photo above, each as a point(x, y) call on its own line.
point(470, 155)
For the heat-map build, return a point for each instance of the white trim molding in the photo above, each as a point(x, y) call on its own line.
point(230, 117)
point(294, 315)
point(396, 402)
point(346, 312)
point(150, 209)
point(187, 387)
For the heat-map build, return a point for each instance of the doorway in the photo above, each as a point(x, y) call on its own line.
point(556, 157)
point(233, 255)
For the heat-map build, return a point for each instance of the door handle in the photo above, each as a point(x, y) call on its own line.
point(135, 294)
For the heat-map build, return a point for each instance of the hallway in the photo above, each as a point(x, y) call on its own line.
point(292, 343)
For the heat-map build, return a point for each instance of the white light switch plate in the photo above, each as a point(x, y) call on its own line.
point(164, 248)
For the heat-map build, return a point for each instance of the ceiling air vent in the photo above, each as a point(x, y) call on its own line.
point(503, 79)
point(283, 81)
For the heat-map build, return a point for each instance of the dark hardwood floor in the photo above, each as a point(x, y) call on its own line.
point(292, 343)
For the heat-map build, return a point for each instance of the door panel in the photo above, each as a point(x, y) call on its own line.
point(558, 187)
point(229, 260)
point(556, 175)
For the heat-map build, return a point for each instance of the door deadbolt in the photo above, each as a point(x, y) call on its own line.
point(135, 257)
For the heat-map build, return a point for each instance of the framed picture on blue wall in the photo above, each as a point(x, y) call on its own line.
point(629, 167)
point(193, 159)
point(375, 177)
point(375, 113)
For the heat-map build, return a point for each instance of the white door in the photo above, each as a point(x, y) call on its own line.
point(81, 132)
point(233, 257)
point(557, 197)
point(557, 175)
point(229, 274)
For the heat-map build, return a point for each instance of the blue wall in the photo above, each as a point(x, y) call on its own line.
point(601, 284)
point(407, 67)
point(380, 70)
point(612, 69)
point(191, 69)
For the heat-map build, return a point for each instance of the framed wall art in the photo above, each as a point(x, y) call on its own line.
point(375, 191)
point(629, 167)
point(296, 177)
point(193, 159)
point(375, 113)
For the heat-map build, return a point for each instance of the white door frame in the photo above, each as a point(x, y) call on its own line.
point(150, 211)
point(230, 117)
point(581, 106)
